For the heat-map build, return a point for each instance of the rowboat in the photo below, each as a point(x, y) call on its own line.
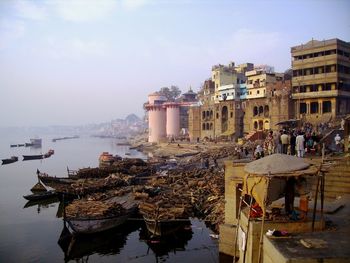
point(40, 196)
point(97, 222)
point(32, 157)
point(10, 160)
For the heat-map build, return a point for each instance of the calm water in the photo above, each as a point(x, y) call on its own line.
point(30, 233)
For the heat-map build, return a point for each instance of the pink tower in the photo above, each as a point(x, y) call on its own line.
point(172, 119)
point(156, 117)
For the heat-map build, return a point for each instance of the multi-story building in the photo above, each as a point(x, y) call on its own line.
point(321, 80)
point(267, 101)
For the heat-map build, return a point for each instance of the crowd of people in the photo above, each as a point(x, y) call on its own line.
point(294, 142)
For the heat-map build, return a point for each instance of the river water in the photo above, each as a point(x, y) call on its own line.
point(30, 232)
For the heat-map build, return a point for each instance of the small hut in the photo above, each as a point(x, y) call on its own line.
point(266, 180)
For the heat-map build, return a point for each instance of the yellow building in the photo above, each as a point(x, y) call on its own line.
point(321, 80)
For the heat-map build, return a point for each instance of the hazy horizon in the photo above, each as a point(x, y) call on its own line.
point(80, 62)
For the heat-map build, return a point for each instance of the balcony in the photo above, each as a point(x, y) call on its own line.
point(316, 94)
point(310, 79)
point(322, 60)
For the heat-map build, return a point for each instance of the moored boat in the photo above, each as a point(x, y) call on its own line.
point(10, 160)
point(161, 221)
point(89, 217)
point(33, 157)
point(40, 196)
point(49, 153)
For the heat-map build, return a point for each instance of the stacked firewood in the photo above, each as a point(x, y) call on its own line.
point(92, 185)
point(93, 209)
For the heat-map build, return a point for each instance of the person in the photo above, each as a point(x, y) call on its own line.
point(290, 194)
point(337, 140)
point(292, 143)
point(342, 123)
point(285, 142)
point(277, 142)
point(269, 143)
point(259, 152)
point(299, 144)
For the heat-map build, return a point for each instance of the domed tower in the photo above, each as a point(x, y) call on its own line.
point(156, 117)
point(172, 119)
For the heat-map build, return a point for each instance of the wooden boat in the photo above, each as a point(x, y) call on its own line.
point(40, 196)
point(164, 227)
point(13, 145)
point(49, 153)
point(94, 222)
point(53, 181)
point(10, 160)
point(161, 221)
point(32, 157)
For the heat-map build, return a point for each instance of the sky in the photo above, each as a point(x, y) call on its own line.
point(77, 62)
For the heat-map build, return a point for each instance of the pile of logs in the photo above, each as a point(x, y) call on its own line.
point(83, 187)
point(93, 209)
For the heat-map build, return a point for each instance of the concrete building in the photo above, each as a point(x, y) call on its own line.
point(321, 80)
point(167, 120)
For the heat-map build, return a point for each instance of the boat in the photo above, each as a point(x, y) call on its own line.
point(33, 157)
point(65, 138)
point(10, 160)
point(49, 153)
point(53, 181)
point(162, 221)
point(40, 195)
point(99, 216)
point(13, 145)
point(106, 159)
point(35, 142)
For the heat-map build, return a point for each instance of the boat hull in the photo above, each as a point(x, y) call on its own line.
point(32, 157)
point(10, 160)
point(164, 227)
point(40, 196)
point(91, 226)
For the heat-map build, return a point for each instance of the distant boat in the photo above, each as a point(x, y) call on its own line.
point(13, 145)
point(40, 196)
point(49, 153)
point(33, 157)
point(10, 160)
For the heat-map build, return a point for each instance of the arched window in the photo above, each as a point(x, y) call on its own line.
point(211, 126)
point(255, 125)
point(261, 125)
point(211, 114)
point(261, 110)
point(266, 111)
point(207, 113)
point(203, 126)
point(207, 126)
point(255, 111)
point(203, 115)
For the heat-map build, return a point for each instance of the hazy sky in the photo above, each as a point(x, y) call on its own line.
point(77, 62)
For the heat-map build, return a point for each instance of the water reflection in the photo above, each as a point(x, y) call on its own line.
point(42, 204)
point(163, 245)
point(80, 247)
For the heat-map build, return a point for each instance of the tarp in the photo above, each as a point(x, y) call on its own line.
point(276, 164)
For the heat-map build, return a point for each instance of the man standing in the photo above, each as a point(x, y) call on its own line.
point(292, 143)
point(300, 145)
point(285, 142)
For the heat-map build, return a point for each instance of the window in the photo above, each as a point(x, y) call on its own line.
point(326, 106)
point(302, 108)
point(313, 107)
point(231, 114)
point(258, 92)
point(203, 126)
point(255, 111)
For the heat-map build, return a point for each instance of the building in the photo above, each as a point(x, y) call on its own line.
point(267, 100)
point(321, 80)
point(167, 119)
